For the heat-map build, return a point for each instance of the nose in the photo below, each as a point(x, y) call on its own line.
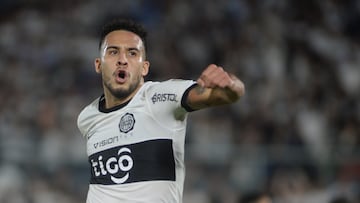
point(122, 60)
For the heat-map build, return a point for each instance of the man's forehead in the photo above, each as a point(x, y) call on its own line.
point(123, 37)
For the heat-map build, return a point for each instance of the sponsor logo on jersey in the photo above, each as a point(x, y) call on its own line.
point(107, 141)
point(112, 165)
point(127, 123)
point(163, 97)
point(144, 161)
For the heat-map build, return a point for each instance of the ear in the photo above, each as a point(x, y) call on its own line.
point(97, 64)
point(145, 69)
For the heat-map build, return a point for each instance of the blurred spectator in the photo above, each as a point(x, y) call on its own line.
point(295, 133)
point(339, 200)
point(255, 198)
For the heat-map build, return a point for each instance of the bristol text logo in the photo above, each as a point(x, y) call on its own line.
point(163, 97)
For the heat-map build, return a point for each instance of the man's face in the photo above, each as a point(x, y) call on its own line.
point(122, 63)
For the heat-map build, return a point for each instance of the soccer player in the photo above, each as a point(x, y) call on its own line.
point(135, 131)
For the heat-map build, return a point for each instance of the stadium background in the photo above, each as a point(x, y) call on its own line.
point(295, 134)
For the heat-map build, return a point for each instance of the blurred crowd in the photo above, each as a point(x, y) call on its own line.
point(295, 135)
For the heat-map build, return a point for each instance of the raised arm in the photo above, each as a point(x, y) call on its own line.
point(215, 87)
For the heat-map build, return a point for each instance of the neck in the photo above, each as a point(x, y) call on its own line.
point(112, 101)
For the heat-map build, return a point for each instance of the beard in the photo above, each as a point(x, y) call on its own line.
point(123, 92)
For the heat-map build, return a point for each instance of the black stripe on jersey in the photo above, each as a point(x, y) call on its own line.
point(184, 103)
point(144, 161)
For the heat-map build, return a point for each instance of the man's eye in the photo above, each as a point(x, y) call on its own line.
point(113, 52)
point(132, 53)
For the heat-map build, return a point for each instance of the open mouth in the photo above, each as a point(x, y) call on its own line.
point(121, 76)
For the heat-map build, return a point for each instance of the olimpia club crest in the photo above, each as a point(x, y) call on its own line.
point(127, 123)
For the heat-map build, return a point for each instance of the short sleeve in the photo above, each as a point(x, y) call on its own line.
point(166, 98)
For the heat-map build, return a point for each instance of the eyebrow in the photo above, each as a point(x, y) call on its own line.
point(116, 47)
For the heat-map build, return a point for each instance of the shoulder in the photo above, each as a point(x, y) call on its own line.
point(169, 90)
point(169, 85)
point(90, 111)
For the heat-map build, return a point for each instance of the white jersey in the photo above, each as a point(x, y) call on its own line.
point(136, 150)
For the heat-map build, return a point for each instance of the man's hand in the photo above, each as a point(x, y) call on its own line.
point(215, 87)
point(215, 76)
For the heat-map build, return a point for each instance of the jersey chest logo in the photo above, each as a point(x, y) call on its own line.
point(127, 123)
point(144, 161)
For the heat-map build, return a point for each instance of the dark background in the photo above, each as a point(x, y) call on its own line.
point(295, 134)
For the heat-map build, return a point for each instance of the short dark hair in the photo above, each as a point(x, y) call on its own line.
point(123, 24)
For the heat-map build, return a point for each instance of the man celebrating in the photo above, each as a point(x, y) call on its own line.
point(135, 131)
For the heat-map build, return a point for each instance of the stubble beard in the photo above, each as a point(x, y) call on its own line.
point(123, 92)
